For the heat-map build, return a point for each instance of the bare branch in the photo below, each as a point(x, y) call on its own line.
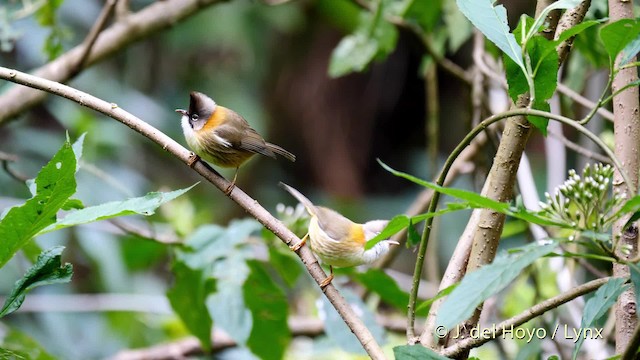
point(534, 311)
point(93, 35)
point(153, 18)
point(250, 205)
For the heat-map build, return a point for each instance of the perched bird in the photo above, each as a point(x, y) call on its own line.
point(223, 137)
point(337, 240)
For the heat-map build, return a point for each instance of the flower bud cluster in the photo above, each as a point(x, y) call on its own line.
point(585, 202)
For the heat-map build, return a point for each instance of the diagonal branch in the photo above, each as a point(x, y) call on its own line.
point(252, 206)
point(90, 40)
point(155, 17)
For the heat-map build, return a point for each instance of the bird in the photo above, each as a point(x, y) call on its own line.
point(222, 137)
point(338, 241)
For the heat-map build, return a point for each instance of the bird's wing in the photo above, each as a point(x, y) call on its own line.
point(243, 137)
point(333, 224)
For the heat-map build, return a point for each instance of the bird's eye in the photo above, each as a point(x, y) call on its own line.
point(194, 117)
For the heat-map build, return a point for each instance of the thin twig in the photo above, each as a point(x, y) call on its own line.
point(153, 18)
point(250, 205)
point(6, 159)
point(579, 149)
point(88, 42)
point(536, 310)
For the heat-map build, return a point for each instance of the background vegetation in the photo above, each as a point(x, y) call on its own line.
point(340, 84)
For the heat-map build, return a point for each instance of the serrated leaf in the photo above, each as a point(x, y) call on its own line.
point(379, 282)
point(598, 305)
point(485, 282)
point(270, 334)
point(190, 290)
point(144, 205)
point(48, 269)
point(616, 35)
point(416, 352)
point(492, 22)
point(54, 185)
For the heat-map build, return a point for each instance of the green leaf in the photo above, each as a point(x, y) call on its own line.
point(379, 282)
point(17, 345)
point(575, 30)
point(630, 51)
point(413, 238)
point(339, 333)
point(542, 17)
point(474, 200)
point(55, 183)
point(145, 205)
point(416, 352)
point(635, 280)
point(286, 264)
point(187, 297)
point(539, 122)
point(270, 333)
point(425, 13)
point(492, 22)
point(458, 27)
point(426, 305)
point(485, 282)
point(616, 35)
point(374, 38)
point(47, 270)
point(394, 226)
point(598, 305)
point(46, 14)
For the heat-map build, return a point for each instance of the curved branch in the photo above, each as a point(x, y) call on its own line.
point(155, 17)
point(535, 311)
point(250, 205)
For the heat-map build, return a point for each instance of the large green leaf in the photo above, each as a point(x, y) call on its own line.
point(597, 306)
point(379, 282)
point(617, 35)
point(48, 269)
point(416, 352)
point(187, 297)
point(267, 303)
point(54, 185)
point(492, 22)
point(373, 38)
point(339, 333)
point(144, 205)
point(475, 200)
point(485, 282)
point(15, 345)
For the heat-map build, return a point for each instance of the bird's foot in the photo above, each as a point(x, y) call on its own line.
point(326, 281)
point(193, 159)
point(300, 244)
point(230, 188)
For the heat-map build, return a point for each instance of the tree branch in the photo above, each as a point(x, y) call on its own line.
point(536, 310)
point(153, 18)
point(250, 205)
point(90, 40)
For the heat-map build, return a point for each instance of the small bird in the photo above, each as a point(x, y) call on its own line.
point(337, 240)
point(222, 137)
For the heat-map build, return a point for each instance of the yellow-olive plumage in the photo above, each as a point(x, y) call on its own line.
point(221, 136)
point(338, 241)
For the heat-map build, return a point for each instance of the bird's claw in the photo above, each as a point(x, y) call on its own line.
point(297, 246)
point(193, 159)
point(326, 281)
point(230, 188)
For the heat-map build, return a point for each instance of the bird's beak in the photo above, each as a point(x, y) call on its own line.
point(183, 112)
point(391, 242)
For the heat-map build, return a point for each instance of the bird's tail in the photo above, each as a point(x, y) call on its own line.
point(301, 198)
point(282, 152)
